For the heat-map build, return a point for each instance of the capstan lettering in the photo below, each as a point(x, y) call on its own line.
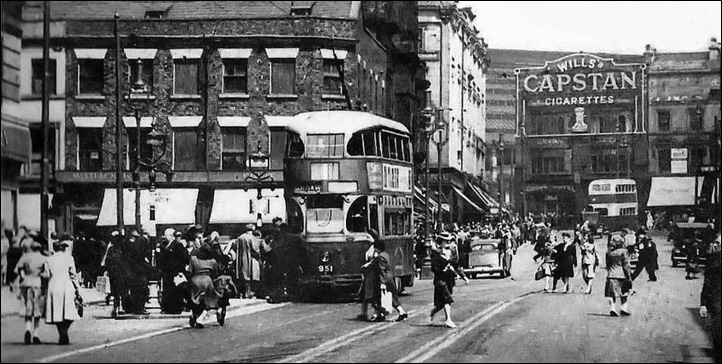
point(581, 73)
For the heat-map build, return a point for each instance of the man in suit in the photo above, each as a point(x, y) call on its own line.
point(711, 299)
point(647, 256)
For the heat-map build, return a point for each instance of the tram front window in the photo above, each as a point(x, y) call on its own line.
point(325, 214)
point(357, 215)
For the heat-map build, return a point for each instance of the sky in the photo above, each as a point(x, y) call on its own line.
point(598, 26)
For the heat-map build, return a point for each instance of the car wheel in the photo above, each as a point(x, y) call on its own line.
point(674, 263)
point(473, 276)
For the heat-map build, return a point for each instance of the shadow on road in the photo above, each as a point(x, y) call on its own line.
point(704, 324)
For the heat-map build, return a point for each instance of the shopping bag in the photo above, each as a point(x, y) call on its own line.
point(386, 300)
point(539, 275)
point(102, 284)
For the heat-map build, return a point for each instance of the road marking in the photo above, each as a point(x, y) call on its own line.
point(435, 346)
point(338, 342)
point(233, 313)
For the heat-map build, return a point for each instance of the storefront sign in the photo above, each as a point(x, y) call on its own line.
point(574, 83)
point(307, 188)
point(679, 166)
point(549, 143)
point(679, 153)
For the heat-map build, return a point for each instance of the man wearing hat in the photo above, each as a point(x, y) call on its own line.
point(175, 260)
point(647, 256)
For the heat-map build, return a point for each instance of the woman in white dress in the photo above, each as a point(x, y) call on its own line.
point(62, 290)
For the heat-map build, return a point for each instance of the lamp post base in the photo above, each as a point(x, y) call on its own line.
point(426, 264)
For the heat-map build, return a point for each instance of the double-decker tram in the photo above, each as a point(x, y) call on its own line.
point(616, 202)
point(348, 172)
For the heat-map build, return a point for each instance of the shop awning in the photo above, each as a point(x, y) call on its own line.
point(673, 191)
point(420, 196)
point(487, 201)
point(460, 193)
point(238, 206)
point(162, 206)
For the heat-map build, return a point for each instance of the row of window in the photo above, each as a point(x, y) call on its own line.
point(189, 157)
point(546, 124)
point(185, 80)
point(609, 163)
point(697, 155)
point(325, 214)
point(375, 143)
point(548, 165)
point(695, 117)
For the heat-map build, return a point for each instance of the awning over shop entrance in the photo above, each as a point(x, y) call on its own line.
point(460, 193)
point(243, 207)
point(420, 197)
point(487, 201)
point(162, 206)
point(673, 191)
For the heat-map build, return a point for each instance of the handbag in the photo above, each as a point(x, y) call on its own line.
point(539, 275)
point(79, 303)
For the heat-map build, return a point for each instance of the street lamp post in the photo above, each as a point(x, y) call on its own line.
point(439, 146)
point(118, 135)
point(430, 126)
point(154, 139)
point(500, 177)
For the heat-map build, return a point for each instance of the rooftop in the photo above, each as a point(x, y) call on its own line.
point(184, 10)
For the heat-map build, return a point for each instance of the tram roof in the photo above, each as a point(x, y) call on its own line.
point(335, 122)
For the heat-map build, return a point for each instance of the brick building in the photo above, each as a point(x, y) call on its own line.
point(209, 68)
point(684, 114)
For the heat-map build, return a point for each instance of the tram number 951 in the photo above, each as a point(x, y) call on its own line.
point(325, 269)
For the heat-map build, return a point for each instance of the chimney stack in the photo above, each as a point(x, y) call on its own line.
point(714, 49)
point(649, 53)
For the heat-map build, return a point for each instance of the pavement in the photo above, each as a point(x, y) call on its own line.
point(500, 320)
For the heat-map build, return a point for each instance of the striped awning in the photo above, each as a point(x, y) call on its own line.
point(420, 198)
point(486, 200)
point(460, 193)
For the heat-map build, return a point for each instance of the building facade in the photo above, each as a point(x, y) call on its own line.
point(581, 117)
point(684, 131)
point(456, 61)
point(15, 140)
point(207, 70)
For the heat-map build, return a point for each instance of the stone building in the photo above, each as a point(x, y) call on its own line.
point(456, 61)
point(684, 114)
point(15, 133)
point(208, 69)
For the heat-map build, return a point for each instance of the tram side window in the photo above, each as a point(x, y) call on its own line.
point(385, 145)
point(602, 211)
point(295, 146)
point(397, 222)
point(355, 145)
point(370, 143)
point(357, 216)
point(295, 217)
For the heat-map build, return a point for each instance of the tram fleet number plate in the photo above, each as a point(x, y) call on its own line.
point(325, 269)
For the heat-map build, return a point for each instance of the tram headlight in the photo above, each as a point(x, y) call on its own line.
point(325, 257)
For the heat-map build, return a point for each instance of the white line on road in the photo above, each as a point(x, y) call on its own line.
point(234, 313)
point(434, 347)
point(334, 344)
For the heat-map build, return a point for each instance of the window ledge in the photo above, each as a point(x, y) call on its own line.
point(184, 97)
point(333, 97)
point(34, 97)
point(89, 97)
point(282, 96)
point(235, 96)
point(142, 96)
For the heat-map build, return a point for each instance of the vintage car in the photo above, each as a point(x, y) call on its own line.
point(684, 233)
point(486, 258)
